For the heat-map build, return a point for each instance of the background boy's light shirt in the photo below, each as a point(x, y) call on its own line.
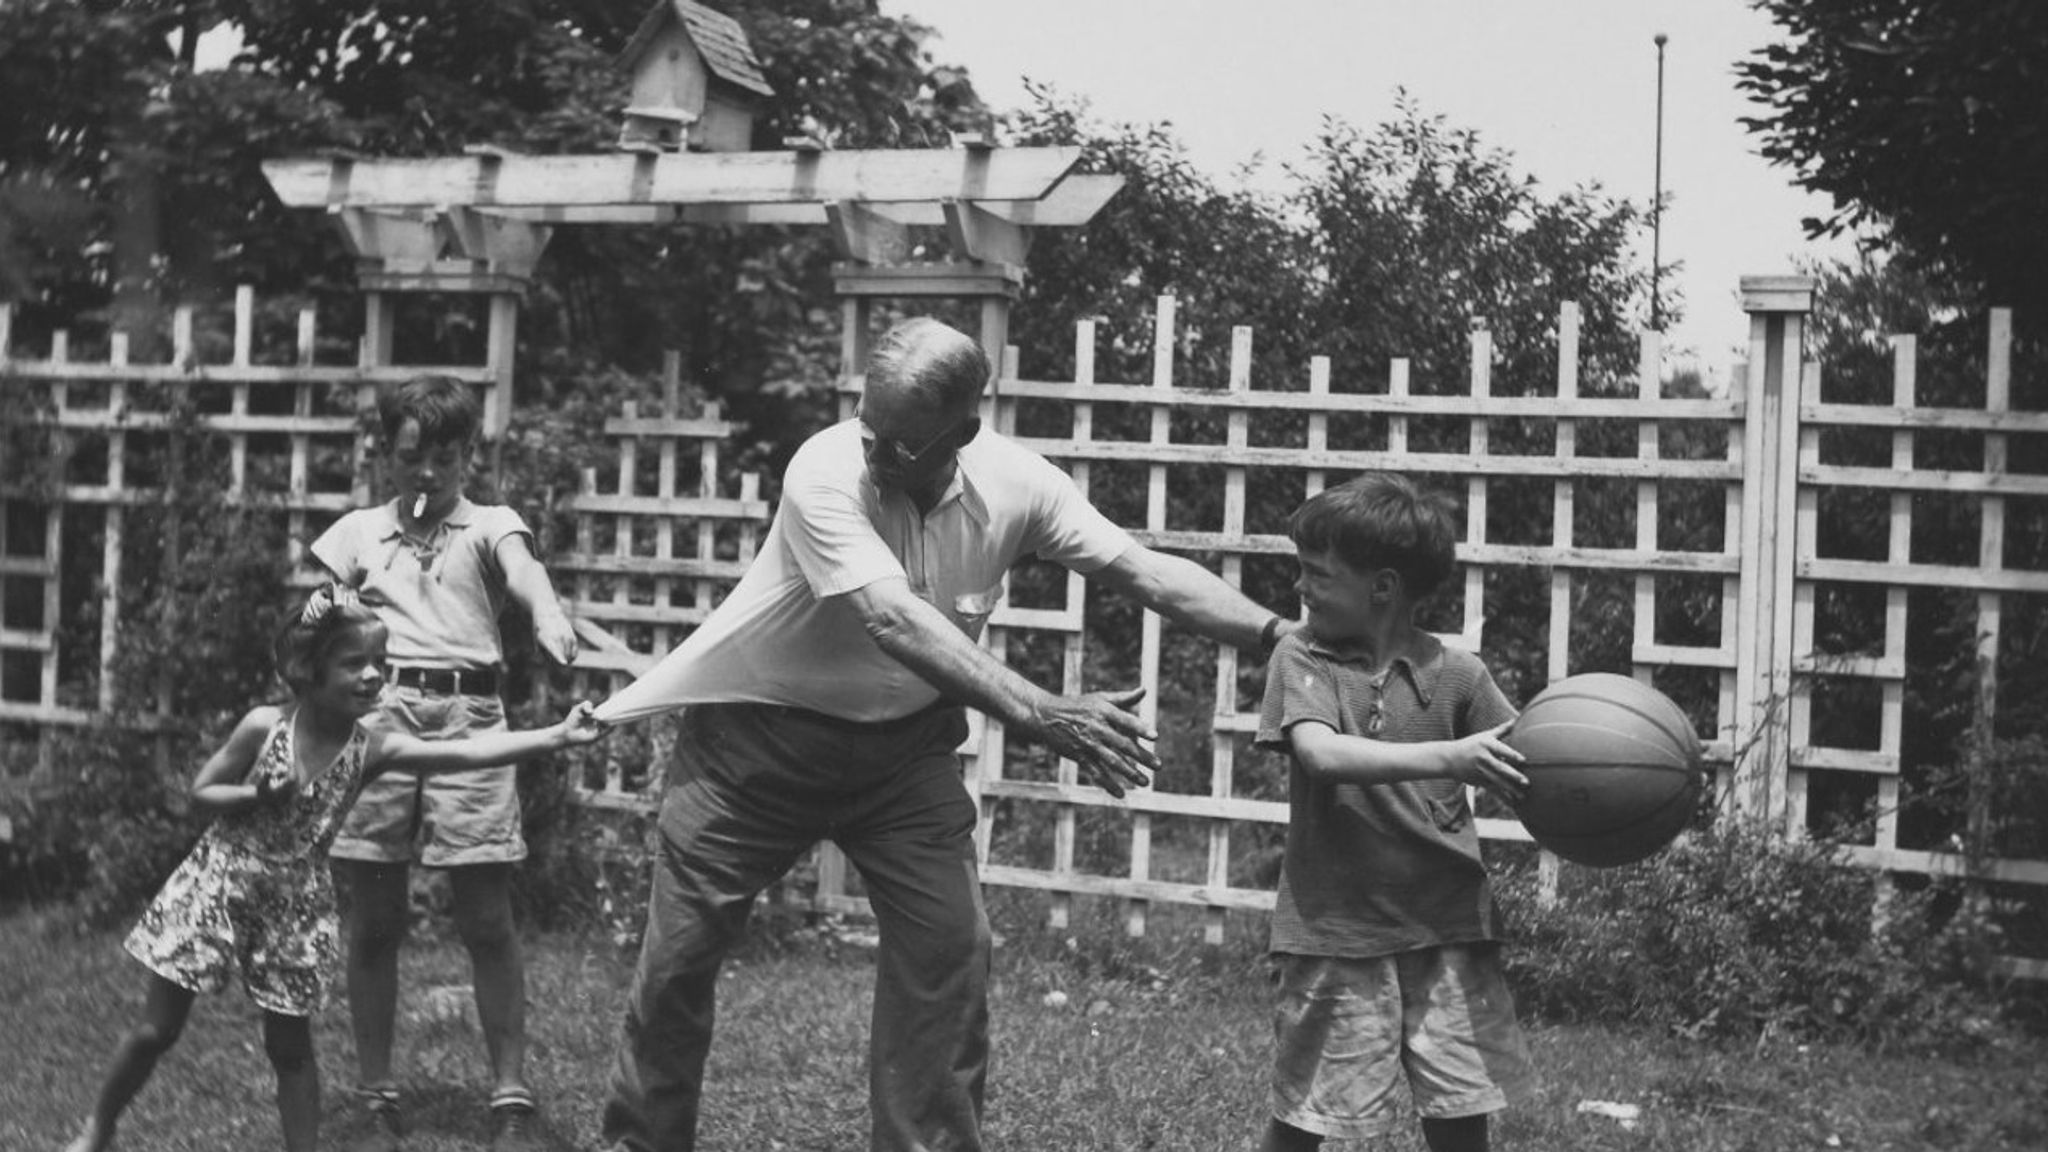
point(440, 608)
point(786, 634)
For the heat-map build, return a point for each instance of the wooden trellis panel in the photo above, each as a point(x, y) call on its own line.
point(1994, 584)
point(657, 546)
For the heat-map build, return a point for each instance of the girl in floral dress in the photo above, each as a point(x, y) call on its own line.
point(254, 900)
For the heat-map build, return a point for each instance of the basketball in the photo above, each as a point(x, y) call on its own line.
point(1613, 766)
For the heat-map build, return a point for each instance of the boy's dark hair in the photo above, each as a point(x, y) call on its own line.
point(445, 407)
point(304, 641)
point(1381, 520)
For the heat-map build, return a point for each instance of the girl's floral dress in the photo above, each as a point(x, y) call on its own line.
point(254, 897)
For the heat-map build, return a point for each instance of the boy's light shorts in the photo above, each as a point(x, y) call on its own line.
point(444, 819)
point(1347, 1031)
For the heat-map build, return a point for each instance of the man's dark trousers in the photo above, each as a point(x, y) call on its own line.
point(753, 787)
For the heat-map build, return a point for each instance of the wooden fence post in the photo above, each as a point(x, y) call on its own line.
point(1990, 559)
point(1778, 307)
point(380, 321)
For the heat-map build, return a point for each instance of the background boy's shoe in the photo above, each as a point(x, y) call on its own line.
point(516, 1125)
point(385, 1127)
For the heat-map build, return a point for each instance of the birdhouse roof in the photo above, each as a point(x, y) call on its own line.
point(718, 37)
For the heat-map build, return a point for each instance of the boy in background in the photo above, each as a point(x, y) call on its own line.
point(1385, 937)
point(437, 570)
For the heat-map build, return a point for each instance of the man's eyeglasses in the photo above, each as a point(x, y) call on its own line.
point(894, 452)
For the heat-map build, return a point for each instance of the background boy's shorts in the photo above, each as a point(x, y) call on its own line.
point(1347, 1031)
point(443, 819)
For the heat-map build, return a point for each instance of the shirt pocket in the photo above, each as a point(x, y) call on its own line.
point(972, 609)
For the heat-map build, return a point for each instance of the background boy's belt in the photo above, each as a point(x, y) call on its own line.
point(448, 681)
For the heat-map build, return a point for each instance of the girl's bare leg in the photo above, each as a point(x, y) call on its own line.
point(288, 1040)
point(163, 1018)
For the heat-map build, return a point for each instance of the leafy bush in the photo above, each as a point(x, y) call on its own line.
point(1732, 932)
point(109, 840)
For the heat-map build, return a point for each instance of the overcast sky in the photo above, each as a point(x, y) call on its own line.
point(1568, 86)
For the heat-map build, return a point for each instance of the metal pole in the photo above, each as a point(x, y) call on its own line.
point(1657, 205)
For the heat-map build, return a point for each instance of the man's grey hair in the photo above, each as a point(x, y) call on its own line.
point(930, 359)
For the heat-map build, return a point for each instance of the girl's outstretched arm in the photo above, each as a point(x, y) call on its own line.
point(399, 749)
point(223, 783)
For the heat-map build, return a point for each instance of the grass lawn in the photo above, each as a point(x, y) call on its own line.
point(1144, 1061)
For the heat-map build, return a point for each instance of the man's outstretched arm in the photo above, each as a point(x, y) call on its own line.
point(1095, 730)
point(1192, 597)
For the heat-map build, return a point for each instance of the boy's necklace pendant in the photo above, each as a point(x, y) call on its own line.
point(1376, 712)
point(424, 546)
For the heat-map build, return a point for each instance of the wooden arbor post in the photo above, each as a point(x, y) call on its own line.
point(445, 248)
point(1778, 307)
point(987, 266)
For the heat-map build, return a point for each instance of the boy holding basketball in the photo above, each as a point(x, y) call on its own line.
point(1385, 937)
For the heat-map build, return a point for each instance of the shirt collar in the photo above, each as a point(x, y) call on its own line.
point(970, 478)
point(1422, 663)
point(393, 525)
point(973, 472)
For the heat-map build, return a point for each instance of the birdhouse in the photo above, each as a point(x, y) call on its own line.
point(696, 82)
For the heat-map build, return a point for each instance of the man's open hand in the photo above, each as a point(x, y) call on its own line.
point(1098, 732)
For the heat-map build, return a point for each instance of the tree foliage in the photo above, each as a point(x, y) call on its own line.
point(1389, 242)
point(127, 179)
point(1423, 232)
point(1227, 256)
point(1924, 119)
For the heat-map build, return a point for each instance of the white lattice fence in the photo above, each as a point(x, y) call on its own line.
point(1978, 491)
point(107, 425)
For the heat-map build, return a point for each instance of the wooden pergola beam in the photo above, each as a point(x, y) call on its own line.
point(454, 249)
point(1072, 202)
point(695, 178)
point(863, 234)
point(512, 245)
point(977, 234)
point(390, 236)
point(962, 279)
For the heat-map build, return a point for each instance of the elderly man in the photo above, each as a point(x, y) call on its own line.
point(827, 695)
